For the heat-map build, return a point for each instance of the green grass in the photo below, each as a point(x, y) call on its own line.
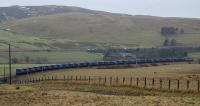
point(20, 41)
point(64, 57)
point(55, 57)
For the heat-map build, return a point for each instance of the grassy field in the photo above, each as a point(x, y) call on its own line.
point(53, 57)
point(61, 94)
point(20, 41)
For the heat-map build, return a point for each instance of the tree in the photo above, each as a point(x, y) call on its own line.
point(173, 42)
point(166, 42)
point(169, 31)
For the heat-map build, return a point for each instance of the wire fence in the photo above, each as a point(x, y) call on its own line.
point(151, 83)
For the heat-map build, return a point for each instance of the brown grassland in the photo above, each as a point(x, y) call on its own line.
point(63, 94)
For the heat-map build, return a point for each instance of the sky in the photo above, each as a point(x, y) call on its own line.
point(164, 8)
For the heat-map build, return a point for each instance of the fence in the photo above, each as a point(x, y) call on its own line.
point(151, 83)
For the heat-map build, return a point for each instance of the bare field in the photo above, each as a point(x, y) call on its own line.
point(174, 71)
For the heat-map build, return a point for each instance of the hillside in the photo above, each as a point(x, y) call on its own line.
point(20, 12)
point(91, 29)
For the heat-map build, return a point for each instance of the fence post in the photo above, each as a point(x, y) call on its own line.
point(71, 78)
point(137, 82)
point(105, 80)
point(33, 80)
point(178, 84)
point(89, 79)
point(145, 82)
point(188, 84)
point(110, 80)
point(198, 85)
point(99, 80)
point(94, 79)
point(124, 80)
point(153, 82)
point(85, 78)
point(68, 78)
point(160, 83)
point(117, 80)
point(169, 84)
point(131, 81)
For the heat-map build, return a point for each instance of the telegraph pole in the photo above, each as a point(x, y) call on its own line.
point(4, 73)
point(10, 63)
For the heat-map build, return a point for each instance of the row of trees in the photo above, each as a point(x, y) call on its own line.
point(146, 53)
point(171, 42)
point(171, 31)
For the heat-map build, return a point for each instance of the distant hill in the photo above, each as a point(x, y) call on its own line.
point(75, 27)
point(19, 12)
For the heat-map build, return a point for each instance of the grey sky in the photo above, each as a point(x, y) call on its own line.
point(166, 8)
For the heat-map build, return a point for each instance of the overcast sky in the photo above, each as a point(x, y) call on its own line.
point(166, 8)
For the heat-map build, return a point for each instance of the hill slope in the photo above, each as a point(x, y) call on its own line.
point(20, 12)
point(107, 29)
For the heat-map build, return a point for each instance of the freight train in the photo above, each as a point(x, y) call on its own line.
point(23, 71)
